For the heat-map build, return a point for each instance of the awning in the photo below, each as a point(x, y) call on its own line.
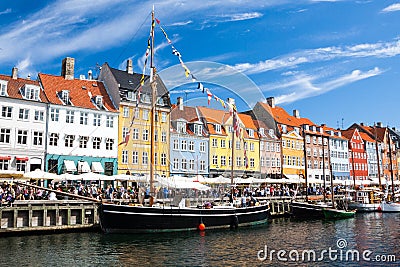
point(5, 157)
point(35, 161)
point(69, 166)
point(83, 166)
point(294, 178)
point(22, 158)
point(97, 167)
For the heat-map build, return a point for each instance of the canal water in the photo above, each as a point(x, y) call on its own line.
point(374, 237)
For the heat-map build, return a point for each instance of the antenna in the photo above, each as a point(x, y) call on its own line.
point(342, 123)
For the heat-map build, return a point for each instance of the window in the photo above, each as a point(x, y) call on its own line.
point(70, 116)
point(145, 115)
point(223, 160)
point(176, 164)
point(135, 157)
point(65, 96)
point(96, 119)
point(262, 163)
point(176, 144)
point(31, 93)
point(124, 159)
point(268, 162)
point(218, 128)
point(215, 160)
point(6, 112)
point(109, 122)
point(163, 159)
point(109, 143)
point(96, 142)
point(53, 141)
point(191, 145)
point(163, 136)
point(245, 145)
point(22, 137)
point(181, 127)
point(252, 164)
point(54, 114)
point(4, 164)
point(202, 165)
point(238, 162)
point(83, 140)
point(131, 96)
point(184, 164)
point(21, 165)
point(163, 116)
point(125, 112)
point(84, 118)
point(125, 132)
point(214, 142)
point(37, 138)
point(251, 146)
point(145, 158)
point(202, 147)
point(3, 88)
point(198, 129)
point(183, 145)
point(237, 144)
point(69, 140)
point(223, 143)
point(39, 115)
point(229, 161)
point(145, 135)
point(191, 164)
point(251, 132)
point(23, 114)
point(135, 134)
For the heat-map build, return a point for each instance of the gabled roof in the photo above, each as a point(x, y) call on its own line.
point(81, 92)
point(187, 113)
point(282, 117)
point(14, 86)
point(376, 133)
point(366, 137)
point(214, 115)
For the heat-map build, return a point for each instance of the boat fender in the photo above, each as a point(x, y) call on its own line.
point(235, 222)
point(202, 227)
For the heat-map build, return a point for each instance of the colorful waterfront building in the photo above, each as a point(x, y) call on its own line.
point(82, 124)
point(189, 144)
point(134, 138)
point(339, 155)
point(219, 127)
point(270, 151)
point(23, 107)
point(357, 157)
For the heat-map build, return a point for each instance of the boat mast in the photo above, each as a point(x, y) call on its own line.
point(377, 158)
point(331, 173)
point(153, 85)
point(233, 150)
point(323, 166)
point(305, 160)
point(391, 163)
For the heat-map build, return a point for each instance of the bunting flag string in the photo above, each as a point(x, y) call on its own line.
point(200, 86)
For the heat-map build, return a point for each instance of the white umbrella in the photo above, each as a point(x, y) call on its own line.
point(39, 174)
point(92, 176)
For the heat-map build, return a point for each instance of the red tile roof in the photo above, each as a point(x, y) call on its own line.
point(366, 137)
point(282, 117)
point(14, 86)
point(81, 92)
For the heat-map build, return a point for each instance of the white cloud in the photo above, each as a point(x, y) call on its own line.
point(182, 23)
point(305, 86)
point(392, 8)
point(6, 11)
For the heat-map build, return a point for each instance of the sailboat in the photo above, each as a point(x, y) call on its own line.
point(116, 218)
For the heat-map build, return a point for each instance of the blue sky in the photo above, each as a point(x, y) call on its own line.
point(336, 61)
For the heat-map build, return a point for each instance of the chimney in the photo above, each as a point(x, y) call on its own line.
point(14, 73)
point(179, 101)
point(90, 75)
point(362, 124)
point(271, 102)
point(67, 68)
point(379, 124)
point(129, 66)
point(296, 113)
point(28, 77)
point(231, 101)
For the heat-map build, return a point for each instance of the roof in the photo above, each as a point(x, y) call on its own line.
point(187, 113)
point(214, 115)
point(348, 133)
point(81, 91)
point(366, 137)
point(14, 86)
point(282, 117)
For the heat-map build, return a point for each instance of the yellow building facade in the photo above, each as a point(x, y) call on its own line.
point(292, 154)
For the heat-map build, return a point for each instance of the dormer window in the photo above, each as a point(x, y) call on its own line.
point(262, 131)
point(251, 132)
point(284, 129)
point(181, 127)
point(98, 99)
point(145, 98)
point(230, 129)
point(271, 132)
point(131, 96)
point(65, 97)
point(30, 92)
point(218, 128)
point(3, 88)
point(198, 129)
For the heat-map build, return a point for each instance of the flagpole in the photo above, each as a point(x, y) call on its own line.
point(153, 86)
point(233, 150)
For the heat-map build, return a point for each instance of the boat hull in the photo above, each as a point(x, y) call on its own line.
point(306, 210)
point(389, 207)
point(338, 214)
point(139, 219)
point(364, 207)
